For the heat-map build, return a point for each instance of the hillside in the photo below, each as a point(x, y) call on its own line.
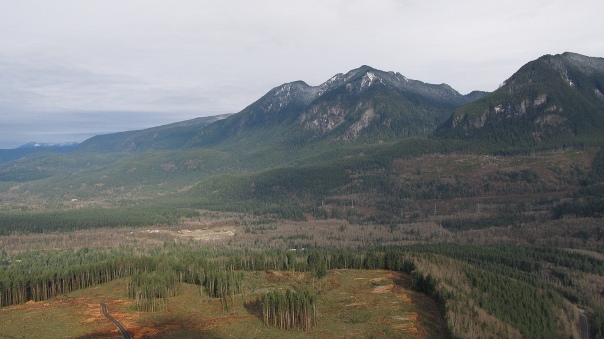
point(165, 137)
point(552, 102)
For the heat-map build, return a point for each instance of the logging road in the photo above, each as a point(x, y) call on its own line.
point(584, 325)
point(119, 326)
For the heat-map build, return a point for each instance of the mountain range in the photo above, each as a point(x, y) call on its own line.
point(364, 104)
point(550, 102)
point(553, 102)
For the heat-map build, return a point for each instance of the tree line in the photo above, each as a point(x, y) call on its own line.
point(24, 222)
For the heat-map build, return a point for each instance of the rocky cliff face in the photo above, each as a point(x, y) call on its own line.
point(555, 96)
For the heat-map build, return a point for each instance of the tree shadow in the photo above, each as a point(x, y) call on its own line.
point(402, 280)
point(254, 308)
point(175, 327)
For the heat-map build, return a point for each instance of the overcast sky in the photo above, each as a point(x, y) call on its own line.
point(73, 69)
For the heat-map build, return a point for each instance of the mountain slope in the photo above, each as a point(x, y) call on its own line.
point(553, 101)
point(362, 104)
point(171, 136)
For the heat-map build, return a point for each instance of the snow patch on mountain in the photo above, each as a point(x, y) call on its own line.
point(49, 145)
point(369, 79)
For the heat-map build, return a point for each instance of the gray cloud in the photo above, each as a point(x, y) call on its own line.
point(171, 61)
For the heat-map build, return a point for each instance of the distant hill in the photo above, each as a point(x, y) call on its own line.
point(364, 104)
point(35, 148)
point(551, 102)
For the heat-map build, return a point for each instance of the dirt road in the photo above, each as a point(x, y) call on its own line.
point(584, 325)
point(119, 326)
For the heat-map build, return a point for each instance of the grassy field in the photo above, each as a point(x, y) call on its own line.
point(361, 304)
point(76, 316)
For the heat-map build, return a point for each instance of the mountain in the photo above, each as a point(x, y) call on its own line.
point(292, 124)
point(171, 136)
point(35, 148)
point(41, 145)
point(363, 104)
point(554, 101)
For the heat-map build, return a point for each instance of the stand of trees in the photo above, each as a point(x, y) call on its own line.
point(289, 310)
point(596, 324)
point(223, 283)
point(152, 289)
point(40, 276)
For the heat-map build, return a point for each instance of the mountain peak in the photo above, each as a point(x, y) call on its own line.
point(588, 65)
point(363, 69)
point(568, 67)
point(552, 101)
